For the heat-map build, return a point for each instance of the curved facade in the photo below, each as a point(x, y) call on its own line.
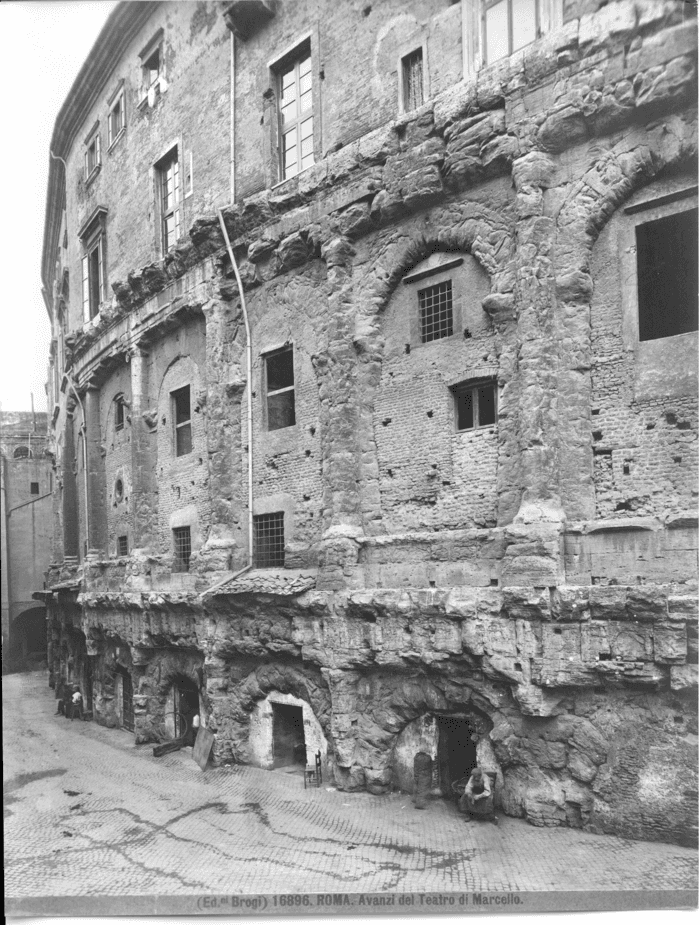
point(473, 393)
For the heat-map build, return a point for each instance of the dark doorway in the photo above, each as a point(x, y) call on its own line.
point(457, 738)
point(186, 706)
point(288, 743)
point(28, 634)
point(127, 699)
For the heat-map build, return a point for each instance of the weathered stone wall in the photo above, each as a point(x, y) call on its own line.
point(117, 448)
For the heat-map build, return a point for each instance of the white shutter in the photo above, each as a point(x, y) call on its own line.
point(86, 290)
point(100, 263)
point(98, 154)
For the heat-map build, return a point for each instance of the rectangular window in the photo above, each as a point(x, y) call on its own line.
point(268, 540)
point(667, 275)
point(435, 309)
point(509, 25)
point(296, 120)
point(119, 414)
point(122, 546)
point(279, 382)
point(115, 120)
point(168, 185)
point(475, 405)
point(93, 278)
point(34, 488)
point(183, 421)
point(412, 74)
point(151, 68)
point(92, 155)
point(182, 549)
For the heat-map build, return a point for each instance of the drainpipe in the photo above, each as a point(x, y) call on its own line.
point(232, 121)
point(83, 429)
point(249, 385)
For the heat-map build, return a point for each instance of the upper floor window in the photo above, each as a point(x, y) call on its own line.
point(667, 275)
point(22, 452)
point(33, 488)
point(122, 545)
point(183, 420)
point(116, 120)
point(279, 388)
point(296, 120)
point(168, 193)
point(476, 404)
point(152, 70)
point(182, 549)
point(92, 234)
point(435, 312)
point(119, 413)
point(93, 156)
point(412, 80)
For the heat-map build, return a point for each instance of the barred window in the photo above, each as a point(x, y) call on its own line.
point(435, 307)
point(33, 488)
point(182, 543)
point(122, 546)
point(183, 421)
point(475, 404)
point(279, 382)
point(268, 540)
point(412, 70)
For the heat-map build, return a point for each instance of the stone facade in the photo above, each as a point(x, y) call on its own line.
point(26, 489)
point(490, 528)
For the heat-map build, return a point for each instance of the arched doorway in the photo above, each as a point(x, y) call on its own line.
point(28, 634)
point(181, 707)
point(457, 743)
point(285, 734)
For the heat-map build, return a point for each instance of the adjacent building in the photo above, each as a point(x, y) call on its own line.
point(26, 487)
point(374, 393)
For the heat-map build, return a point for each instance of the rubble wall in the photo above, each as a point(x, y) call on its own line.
point(117, 449)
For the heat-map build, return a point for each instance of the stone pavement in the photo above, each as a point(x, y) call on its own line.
point(87, 813)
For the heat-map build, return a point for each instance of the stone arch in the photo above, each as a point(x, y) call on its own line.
point(614, 176)
point(28, 633)
point(22, 452)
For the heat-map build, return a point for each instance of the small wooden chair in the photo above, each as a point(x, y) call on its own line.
point(313, 773)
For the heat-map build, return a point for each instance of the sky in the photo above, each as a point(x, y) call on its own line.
point(42, 47)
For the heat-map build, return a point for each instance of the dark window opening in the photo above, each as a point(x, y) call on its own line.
point(182, 543)
point(115, 120)
point(279, 371)
point(119, 414)
point(22, 452)
point(151, 68)
point(475, 405)
point(435, 307)
point(288, 741)
point(118, 490)
point(183, 421)
point(412, 68)
point(667, 276)
point(268, 540)
point(122, 546)
point(34, 488)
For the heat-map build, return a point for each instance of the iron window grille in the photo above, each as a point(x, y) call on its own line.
point(279, 386)
point(116, 121)
point(667, 275)
point(296, 120)
point(268, 540)
point(183, 420)
point(119, 413)
point(168, 174)
point(182, 547)
point(122, 546)
point(509, 25)
point(93, 155)
point(412, 70)
point(435, 311)
point(476, 404)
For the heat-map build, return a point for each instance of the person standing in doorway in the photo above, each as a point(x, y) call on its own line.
point(76, 703)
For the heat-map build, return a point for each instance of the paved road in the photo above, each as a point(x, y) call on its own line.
point(87, 813)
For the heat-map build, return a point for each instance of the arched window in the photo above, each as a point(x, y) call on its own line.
point(22, 452)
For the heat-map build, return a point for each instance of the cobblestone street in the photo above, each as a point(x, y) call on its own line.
point(87, 813)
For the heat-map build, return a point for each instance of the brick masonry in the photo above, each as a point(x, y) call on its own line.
point(541, 571)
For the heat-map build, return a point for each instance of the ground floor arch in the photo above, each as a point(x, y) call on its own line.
point(28, 634)
point(285, 733)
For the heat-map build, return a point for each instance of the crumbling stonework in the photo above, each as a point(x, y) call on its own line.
point(538, 573)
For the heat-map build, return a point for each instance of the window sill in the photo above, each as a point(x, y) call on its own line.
point(485, 428)
point(276, 186)
point(116, 141)
point(91, 176)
